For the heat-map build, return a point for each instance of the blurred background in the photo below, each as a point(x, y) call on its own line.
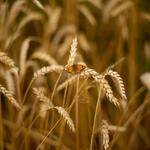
point(106, 30)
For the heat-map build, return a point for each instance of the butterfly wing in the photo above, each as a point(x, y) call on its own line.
point(79, 68)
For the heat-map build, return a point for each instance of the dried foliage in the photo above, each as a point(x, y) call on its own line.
point(61, 66)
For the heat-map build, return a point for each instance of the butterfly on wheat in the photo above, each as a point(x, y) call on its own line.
point(75, 68)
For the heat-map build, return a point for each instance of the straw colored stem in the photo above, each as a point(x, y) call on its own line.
point(77, 117)
point(95, 117)
point(48, 134)
point(27, 90)
point(1, 128)
point(138, 92)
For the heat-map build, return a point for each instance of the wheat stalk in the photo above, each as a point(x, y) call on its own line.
point(9, 96)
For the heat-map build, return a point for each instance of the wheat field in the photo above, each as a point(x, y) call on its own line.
point(74, 74)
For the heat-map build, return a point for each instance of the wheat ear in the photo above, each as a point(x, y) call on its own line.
point(24, 52)
point(105, 134)
point(45, 70)
point(36, 2)
point(66, 116)
point(72, 52)
point(7, 60)
point(46, 105)
point(9, 96)
point(118, 82)
point(40, 95)
point(44, 57)
point(10, 82)
point(104, 84)
point(60, 110)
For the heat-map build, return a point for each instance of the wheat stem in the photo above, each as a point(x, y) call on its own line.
point(52, 96)
point(95, 116)
point(48, 134)
point(1, 126)
point(27, 90)
point(133, 98)
point(77, 116)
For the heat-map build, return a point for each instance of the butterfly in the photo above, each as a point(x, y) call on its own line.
point(75, 68)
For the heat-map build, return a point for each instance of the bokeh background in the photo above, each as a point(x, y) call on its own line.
point(107, 30)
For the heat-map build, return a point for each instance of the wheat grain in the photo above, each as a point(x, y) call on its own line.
point(45, 70)
point(66, 116)
point(105, 134)
point(9, 96)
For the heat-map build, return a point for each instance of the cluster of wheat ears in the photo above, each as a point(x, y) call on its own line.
point(84, 73)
